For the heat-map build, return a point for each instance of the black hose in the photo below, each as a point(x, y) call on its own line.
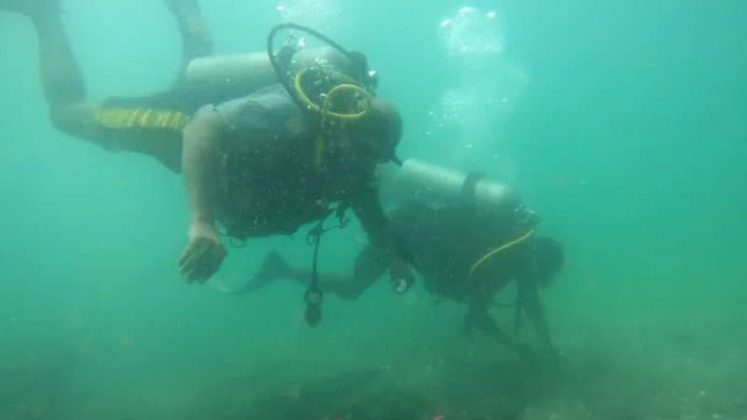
point(273, 59)
point(313, 295)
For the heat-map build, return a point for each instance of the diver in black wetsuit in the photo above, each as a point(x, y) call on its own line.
point(254, 160)
point(466, 248)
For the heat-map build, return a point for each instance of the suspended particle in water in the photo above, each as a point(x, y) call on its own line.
point(470, 33)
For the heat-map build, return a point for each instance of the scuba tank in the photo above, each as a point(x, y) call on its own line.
point(238, 72)
point(437, 186)
point(333, 87)
point(292, 51)
point(250, 72)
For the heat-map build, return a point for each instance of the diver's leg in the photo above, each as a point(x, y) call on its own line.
point(370, 264)
point(274, 267)
point(531, 304)
point(28, 7)
point(196, 38)
point(61, 78)
point(150, 125)
point(479, 318)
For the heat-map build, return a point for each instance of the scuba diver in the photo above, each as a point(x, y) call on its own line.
point(467, 236)
point(266, 142)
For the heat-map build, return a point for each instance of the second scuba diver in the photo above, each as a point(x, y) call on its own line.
point(468, 237)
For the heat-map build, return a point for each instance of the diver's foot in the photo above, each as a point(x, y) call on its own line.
point(183, 7)
point(195, 33)
point(273, 267)
point(30, 8)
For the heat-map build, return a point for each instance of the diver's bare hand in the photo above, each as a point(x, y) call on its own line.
point(204, 253)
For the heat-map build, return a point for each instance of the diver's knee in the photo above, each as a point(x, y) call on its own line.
point(61, 119)
point(350, 292)
point(75, 120)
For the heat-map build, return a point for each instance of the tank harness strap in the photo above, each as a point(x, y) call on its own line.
point(518, 310)
point(313, 296)
point(467, 192)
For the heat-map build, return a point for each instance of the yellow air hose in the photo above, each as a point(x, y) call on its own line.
point(347, 86)
point(495, 251)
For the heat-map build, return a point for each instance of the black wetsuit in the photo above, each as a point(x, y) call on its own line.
point(153, 124)
point(444, 243)
point(270, 182)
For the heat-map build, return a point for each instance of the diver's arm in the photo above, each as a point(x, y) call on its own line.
point(534, 309)
point(479, 318)
point(371, 215)
point(200, 160)
point(373, 220)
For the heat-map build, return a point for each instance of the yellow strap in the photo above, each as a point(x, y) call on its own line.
point(490, 254)
point(141, 118)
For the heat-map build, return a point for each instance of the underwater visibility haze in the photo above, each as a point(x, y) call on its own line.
point(622, 124)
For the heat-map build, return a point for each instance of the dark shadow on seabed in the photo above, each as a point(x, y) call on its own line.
point(348, 395)
point(681, 374)
point(36, 385)
point(462, 391)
